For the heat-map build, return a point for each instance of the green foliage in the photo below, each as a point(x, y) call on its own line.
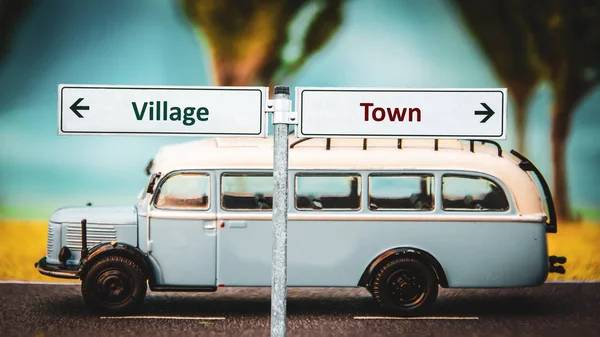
point(564, 35)
point(567, 39)
point(525, 39)
point(589, 214)
point(320, 31)
point(246, 38)
point(500, 30)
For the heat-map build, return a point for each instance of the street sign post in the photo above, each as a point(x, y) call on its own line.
point(281, 120)
point(163, 111)
point(401, 113)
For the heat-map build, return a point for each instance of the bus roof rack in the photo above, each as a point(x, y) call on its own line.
point(485, 141)
point(399, 144)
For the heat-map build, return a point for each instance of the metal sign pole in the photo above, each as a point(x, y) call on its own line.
point(281, 115)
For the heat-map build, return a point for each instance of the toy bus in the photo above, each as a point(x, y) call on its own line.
point(398, 217)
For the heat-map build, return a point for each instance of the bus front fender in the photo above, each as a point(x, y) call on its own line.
point(117, 249)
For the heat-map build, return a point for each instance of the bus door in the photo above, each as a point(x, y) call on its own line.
point(183, 234)
point(245, 221)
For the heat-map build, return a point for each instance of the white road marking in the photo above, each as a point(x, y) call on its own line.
point(166, 317)
point(416, 318)
point(40, 283)
point(574, 281)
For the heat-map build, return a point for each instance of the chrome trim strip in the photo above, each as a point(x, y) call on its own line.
point(58, 274)
point(102, 230)
point(416, 216)
point(96, 223)
point(183, 215)
point(55, 271)
point(250, 216)
point(358, 216)
point(148, 214)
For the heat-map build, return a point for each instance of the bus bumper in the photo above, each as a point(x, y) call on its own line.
point(70, 272)
point(555, 264)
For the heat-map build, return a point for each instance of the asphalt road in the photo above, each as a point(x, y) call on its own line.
point(564, 309)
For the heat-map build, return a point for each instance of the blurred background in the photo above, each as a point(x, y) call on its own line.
point(547, 53)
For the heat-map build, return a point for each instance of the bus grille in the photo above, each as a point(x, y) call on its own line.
point(50, 243)
point(96, 234)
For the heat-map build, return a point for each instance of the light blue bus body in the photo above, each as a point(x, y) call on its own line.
point(398, 221)
point(215, 247)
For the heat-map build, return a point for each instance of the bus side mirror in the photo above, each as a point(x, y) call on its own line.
point(153, 180)
point(149, 167)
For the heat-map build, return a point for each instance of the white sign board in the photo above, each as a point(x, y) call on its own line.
point(401, 113)
point(163, 111)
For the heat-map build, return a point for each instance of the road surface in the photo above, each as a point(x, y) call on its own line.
point(557, 309)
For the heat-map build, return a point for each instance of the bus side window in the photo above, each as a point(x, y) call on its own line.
point(327, 191)
point(184, 191)
point(460, 193)
point(247, 191)
point(401, 192)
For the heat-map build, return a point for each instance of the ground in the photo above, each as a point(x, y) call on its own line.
point(553, 309)
point(22, 243)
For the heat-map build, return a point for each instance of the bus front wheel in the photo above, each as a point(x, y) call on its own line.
point(114, 284)
point(405, 286)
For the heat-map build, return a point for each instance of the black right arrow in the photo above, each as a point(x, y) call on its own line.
point(75, 107)
point(488, 113)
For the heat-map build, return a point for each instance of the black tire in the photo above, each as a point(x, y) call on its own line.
point(114, 285)
point(405, 286)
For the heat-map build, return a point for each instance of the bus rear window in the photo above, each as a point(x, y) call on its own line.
point(328, 191)
point(468, 193)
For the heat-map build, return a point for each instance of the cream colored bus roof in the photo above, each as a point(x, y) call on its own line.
point(348, 154)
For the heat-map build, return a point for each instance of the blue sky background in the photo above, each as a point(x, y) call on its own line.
point(381, 43)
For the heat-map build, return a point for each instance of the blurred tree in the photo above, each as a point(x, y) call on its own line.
point(247, 38)
point(501, 33)
point(11, 12)
point(565, 37)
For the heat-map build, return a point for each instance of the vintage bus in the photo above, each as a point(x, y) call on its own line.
point(399, 217)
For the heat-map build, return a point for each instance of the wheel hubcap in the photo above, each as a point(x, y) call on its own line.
point(114, 286)
point(406, 288)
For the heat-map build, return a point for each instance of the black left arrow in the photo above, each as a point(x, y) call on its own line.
point(76, 108)
point(488, 113)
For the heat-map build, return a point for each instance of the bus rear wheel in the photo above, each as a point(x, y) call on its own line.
point(405, 286)
point(114, 285)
